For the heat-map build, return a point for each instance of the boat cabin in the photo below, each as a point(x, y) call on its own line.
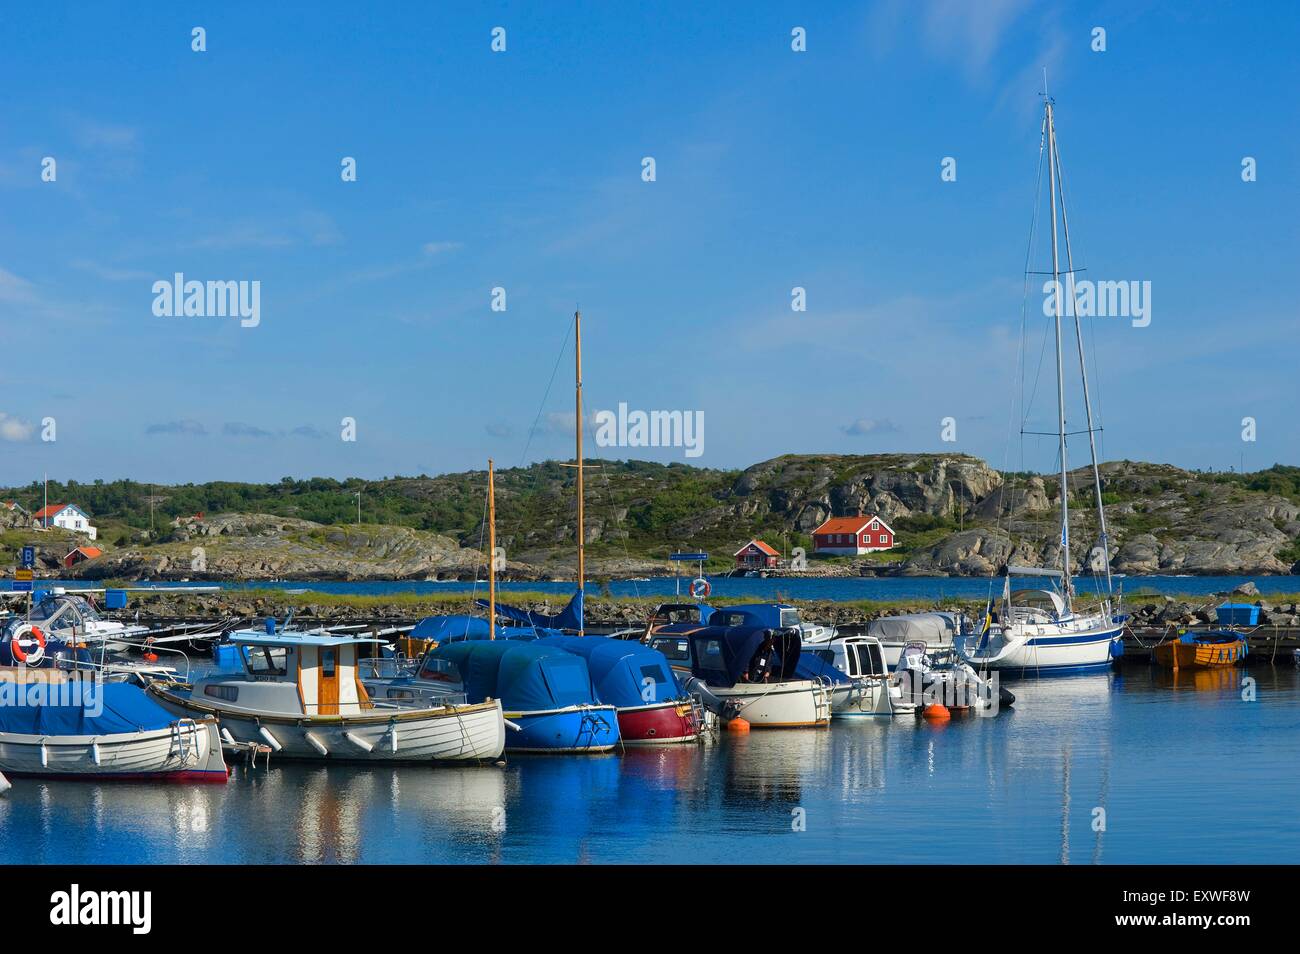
point(766, 615)
point(295, 673)
point(726, 655)
point(855, 656)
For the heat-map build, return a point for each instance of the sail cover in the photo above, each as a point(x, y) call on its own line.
point(569, 618)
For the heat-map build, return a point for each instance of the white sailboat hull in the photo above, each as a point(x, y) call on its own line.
point(188, 751)
point(1061, 648)
point(443, 734)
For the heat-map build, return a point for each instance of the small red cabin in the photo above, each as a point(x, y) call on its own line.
point(757, 555)
point(852, 536)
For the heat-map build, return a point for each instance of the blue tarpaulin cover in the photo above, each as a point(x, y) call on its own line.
point(619, 668)
point(722, 655)
point(569, 618)
point(525, 676)
point(810, 666)
point(440, 628)
point(87, 709)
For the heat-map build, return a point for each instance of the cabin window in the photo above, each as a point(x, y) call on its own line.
point(229, 693)
point(653, 673)
point(825, 655)
point(672, 648)
point(327, 669)
point(400, 694)
point(710, 654)
point(789, 618)
point(265, 661)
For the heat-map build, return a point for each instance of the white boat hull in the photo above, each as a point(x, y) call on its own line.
point(187, 751)
point(796, 704)
point(864, 699)
point(1058, 649)
point(442, 734)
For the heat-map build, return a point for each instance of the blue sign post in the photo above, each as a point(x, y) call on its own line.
point(28, 557)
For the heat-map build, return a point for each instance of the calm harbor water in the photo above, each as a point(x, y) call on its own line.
point(1185, 769)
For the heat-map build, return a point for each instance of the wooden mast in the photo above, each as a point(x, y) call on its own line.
point(492, 554)
point(582, 533)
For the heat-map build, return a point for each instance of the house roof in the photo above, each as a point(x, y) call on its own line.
point(757, 543)
point(88, 552)
point(850, 524)
point(53, 510)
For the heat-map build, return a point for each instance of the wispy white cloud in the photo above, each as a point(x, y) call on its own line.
point(13, 429)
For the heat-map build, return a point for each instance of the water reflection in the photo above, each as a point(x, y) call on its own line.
point(1075, 772)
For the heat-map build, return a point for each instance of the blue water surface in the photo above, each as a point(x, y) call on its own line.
point(1137, 766)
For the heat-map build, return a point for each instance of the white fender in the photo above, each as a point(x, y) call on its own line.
point(516, 727)
point(359, 742)
point(392, 737)
point(4, 784)
point(271, 740)
point(45, 756)
point(227, 737)
point(316, 743)
point(94, 753)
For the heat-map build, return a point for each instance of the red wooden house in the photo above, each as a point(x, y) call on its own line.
point(852, 536)
point(757, 555)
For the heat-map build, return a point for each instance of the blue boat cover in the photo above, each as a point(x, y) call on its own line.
point(85, 709)
point(441, 628)
point(811, 666)
point(525, 676)
point(722, 655)
point(569, 618)
point(624, 672)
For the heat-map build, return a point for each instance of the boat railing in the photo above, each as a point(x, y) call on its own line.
point(387, 667)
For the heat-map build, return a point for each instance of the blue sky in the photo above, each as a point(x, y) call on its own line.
point(522, 170)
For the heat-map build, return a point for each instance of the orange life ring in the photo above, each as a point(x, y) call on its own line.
point(700, 588)
point(16, 647)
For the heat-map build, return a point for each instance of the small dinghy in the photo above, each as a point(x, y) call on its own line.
point(1216, 649)
point(88, 729)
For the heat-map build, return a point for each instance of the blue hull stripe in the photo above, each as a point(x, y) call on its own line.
point(1071, 640)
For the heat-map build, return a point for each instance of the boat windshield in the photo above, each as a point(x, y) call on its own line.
point(265, 660)
point(439, 670)
point(673, 649)
point(789, 618)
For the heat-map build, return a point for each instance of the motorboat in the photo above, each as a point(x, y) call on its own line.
point(299, 693)
point(750, 673)
point(55, 726)
point(653, 708)
point(1216, 649)
point(859, 679)
point(938, 630)
point(547, 693)
point(921, 681)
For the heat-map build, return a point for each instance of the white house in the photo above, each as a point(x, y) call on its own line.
point(66, 517)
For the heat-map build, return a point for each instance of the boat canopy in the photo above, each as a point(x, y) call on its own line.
point(722, 655)
point(458, 626)
point(1044, 599)
point(81, 708)
point(569, 618)
point(812, 666)
point(936, 629)
point(525, 676)
point(625, 672)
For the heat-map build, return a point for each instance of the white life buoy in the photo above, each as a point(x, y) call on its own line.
point(700, 588)
point(20, 636)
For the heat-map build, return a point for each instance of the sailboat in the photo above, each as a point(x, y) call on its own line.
point(1040, 632)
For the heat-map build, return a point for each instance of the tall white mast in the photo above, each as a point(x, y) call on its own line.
point(1087, 397)
point(1060, 369)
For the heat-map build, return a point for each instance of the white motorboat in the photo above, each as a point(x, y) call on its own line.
point(938, 630)
point(920, 682)
point(863, 686)
point(86, 728)
point(300, 693)
point(744, 672)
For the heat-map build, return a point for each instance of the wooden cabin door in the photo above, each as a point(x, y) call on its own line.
point(328, 692)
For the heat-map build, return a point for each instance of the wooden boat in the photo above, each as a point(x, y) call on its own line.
point(299, 693)
point(90, 729)
point(1217, 649)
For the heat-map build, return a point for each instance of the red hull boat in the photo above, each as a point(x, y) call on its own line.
point(659, 723)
